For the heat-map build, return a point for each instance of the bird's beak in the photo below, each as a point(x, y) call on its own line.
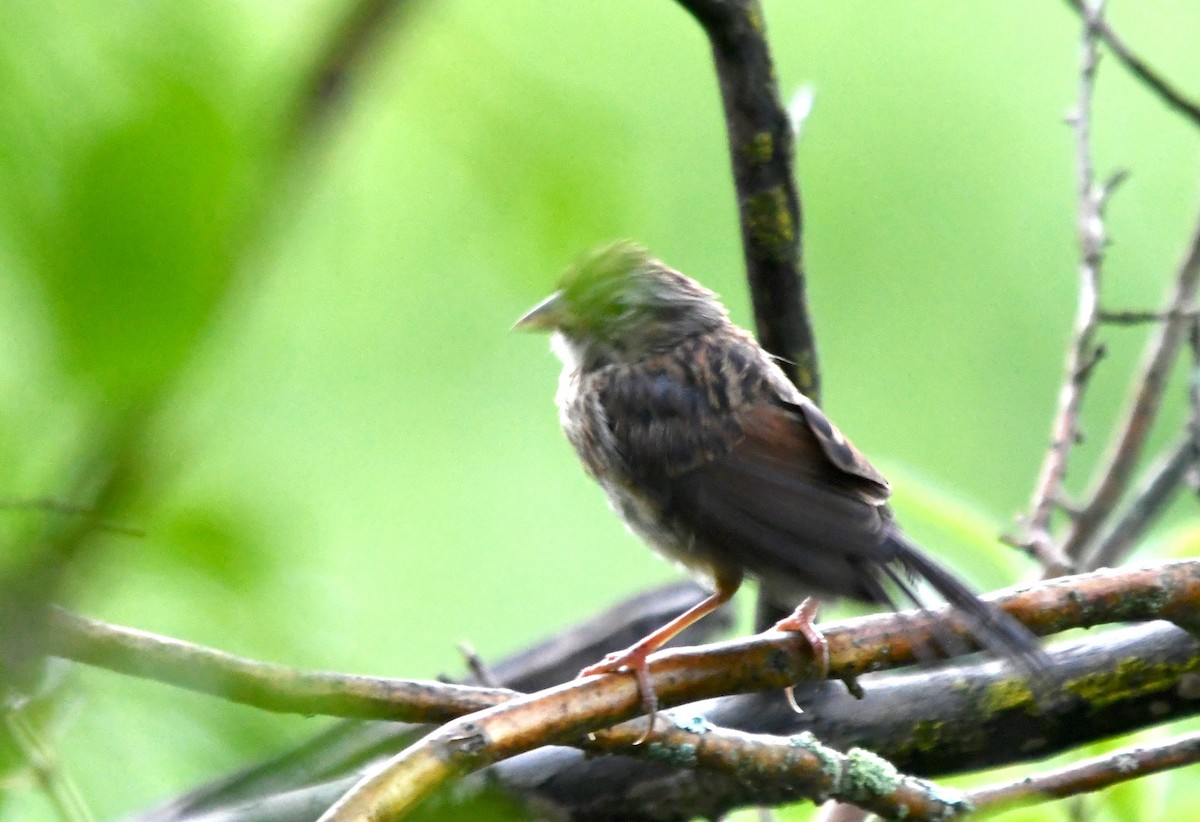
point(545, 316)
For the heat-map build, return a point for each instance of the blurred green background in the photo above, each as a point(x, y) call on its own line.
point(351, 463)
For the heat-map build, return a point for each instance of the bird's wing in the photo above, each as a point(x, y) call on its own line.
point(840, 451)
point(760, 480)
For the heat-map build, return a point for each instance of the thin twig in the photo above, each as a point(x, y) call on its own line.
point(261, 684)
point(1130, 440)
point(1090, 775)
point(59, 788)
point(1083, 352)
point(1157, 83)
point(1139, 317)
point(1150, 501)
point(761, 152)
point(478, 668)
point(53, 506)
point(1193, 424)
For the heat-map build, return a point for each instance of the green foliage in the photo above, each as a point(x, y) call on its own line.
point(348, 462)
point(134, 259)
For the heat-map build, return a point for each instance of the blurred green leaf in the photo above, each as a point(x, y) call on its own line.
point(1135, 800)
point(1181, 542)
point(133, 262)
point(218, 541)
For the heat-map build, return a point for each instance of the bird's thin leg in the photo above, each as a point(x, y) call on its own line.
point(634, 657)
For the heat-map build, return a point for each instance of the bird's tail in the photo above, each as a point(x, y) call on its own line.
point(994, 629)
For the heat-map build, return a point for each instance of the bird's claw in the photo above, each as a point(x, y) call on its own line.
point(803, 622)
point(631, 660)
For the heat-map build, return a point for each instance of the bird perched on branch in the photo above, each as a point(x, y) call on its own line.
point(712, 457)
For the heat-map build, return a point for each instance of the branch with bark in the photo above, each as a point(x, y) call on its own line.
point(1076, 704)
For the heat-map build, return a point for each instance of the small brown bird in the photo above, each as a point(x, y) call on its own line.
point(710, 455)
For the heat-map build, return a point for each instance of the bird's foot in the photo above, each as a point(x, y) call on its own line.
point(631, 660)
point(803, 621)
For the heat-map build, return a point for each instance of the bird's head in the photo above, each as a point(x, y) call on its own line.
point(617, 303)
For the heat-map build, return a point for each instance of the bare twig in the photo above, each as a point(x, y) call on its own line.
point(1155, 81)
point(479, 669)
point(41, 759)
point(1130, 440)
point(1091, 775)
point(1138, 317)
point(261, 684)
point(53, 506)
point(1083, 352)
point(1193, 423)
point(761, 149)
point(1159, 490)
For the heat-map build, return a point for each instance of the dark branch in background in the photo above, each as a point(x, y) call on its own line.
point(1153, 80)
point(340, 56)
point(761, 151)
point(1084, 352)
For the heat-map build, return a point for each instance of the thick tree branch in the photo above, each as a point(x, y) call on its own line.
point(350, 744)
point(930, 722)
point(761, 151)
point(790, 767)
point(562, 714)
